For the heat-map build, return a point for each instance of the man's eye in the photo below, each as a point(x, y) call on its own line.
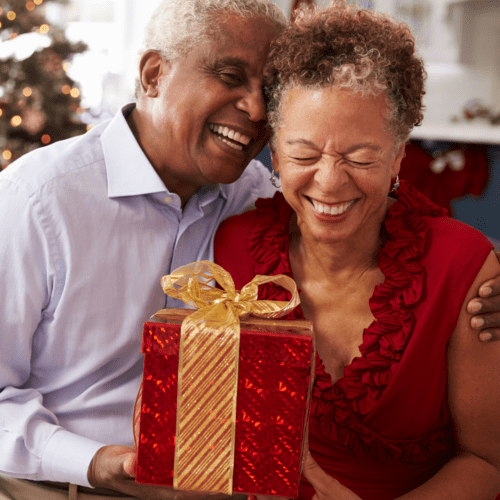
point(232, 78)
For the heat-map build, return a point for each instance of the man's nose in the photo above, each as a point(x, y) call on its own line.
point(252, 103)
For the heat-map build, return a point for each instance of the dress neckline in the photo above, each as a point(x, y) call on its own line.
point(392, 302)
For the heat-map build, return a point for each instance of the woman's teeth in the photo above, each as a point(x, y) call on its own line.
point(226, 133)
point(332, 210)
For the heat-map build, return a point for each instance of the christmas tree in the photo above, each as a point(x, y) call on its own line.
point(39, 102)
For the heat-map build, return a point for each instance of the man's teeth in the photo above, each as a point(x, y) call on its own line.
point(230, 134)
point(327, 209)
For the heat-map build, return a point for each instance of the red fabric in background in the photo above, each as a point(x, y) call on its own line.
point(448, 185)
point(297, 4)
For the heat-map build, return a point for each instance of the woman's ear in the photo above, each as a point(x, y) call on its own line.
point(396, 165)
point(274, 158)
point(151, 67)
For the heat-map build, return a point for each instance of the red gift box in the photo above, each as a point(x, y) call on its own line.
point(273, 392)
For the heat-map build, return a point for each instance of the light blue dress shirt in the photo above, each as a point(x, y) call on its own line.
point(87, 230)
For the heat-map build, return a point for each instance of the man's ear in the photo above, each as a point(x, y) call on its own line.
point(151, 67)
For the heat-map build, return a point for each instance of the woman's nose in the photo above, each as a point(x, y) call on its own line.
point(331, 175)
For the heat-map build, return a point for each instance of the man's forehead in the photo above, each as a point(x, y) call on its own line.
point(240, 38)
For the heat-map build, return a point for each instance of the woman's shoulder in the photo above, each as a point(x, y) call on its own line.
point(456, 236)
point(230, 246)
point(236, 229)
point(249, 243)
point(434, 233)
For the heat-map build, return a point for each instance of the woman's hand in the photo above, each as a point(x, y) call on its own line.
point(326, 487)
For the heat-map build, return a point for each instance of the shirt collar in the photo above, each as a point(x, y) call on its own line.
point(128, 170)
point(209, 193)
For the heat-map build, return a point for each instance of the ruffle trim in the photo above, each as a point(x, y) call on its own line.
point(384, 341)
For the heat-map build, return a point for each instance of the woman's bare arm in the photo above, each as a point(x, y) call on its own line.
point(486, 309)
point(474, 401)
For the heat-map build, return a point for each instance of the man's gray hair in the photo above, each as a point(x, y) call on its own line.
point(177, 26)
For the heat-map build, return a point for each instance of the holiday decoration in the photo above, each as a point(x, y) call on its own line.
point(39, 102)
point(297, 4)
point(446, 175)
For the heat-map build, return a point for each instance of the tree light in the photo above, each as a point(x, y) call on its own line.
point(11, 15)
point(75, 92)
point(16, 121)
point(45, 138)
point(7, 155)
point(44, 29)
point(30, 6)
point(66, 89)
point(37, 2)
point(27, 91)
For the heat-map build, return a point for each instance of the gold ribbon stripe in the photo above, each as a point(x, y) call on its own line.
point(208, 369)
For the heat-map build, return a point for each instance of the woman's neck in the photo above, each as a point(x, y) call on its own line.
point(345, 261)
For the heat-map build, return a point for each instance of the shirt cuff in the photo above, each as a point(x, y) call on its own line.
point(67, 457)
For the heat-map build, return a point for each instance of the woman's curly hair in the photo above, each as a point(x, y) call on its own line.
point(344, 46)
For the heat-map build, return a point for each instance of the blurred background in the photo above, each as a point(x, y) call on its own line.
point(66, 65)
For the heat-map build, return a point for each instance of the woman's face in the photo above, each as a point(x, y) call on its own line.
point(336, 160)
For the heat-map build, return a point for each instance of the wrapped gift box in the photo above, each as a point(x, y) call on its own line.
point(274, 385)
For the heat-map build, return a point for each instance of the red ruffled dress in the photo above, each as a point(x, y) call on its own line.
point(384, 428)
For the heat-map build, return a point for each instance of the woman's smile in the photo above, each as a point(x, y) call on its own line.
point(331, 209)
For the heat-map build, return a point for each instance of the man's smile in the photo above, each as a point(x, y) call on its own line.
point(231, 137)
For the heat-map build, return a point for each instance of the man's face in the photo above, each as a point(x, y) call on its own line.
point(208, 117)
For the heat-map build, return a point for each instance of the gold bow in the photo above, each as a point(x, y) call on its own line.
point(208, 369)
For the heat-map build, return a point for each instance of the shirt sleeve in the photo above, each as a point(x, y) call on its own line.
point(33, 445)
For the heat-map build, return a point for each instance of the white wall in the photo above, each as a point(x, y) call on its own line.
point(458, 39)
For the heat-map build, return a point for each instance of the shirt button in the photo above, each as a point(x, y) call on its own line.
point(168, 199)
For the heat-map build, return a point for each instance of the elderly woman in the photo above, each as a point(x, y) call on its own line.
point(406, 399)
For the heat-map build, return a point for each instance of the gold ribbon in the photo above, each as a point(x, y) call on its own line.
point(208, 369)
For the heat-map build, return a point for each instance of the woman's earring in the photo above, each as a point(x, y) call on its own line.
point(275, 180)
point(395, 185)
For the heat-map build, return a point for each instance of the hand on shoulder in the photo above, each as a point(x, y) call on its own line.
point(486, 309)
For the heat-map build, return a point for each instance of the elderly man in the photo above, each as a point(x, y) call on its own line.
point(89, 226)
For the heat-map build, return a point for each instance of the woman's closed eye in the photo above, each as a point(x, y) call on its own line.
point(305, 160)
point(305, 156)
point(360, 164)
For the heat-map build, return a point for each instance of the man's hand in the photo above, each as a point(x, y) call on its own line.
point(486, 309)
point(326, 487)
point(113, 467)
